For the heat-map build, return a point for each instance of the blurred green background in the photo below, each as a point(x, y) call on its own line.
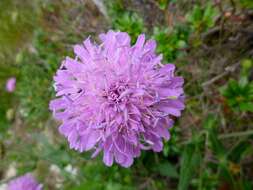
point(211, 43)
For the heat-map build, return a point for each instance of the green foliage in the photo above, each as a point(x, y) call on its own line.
point(171, 41)
point(191, 159)
point(115, 7)
point(95, 172)
point(130, 23)
point(163, 4)
point(35, 96)
point(6, 103)
point(246, 4)
point(17, 22)
point(167, 169)
point(6, 99)
point(240, 150)
point(239, 94)
point(227, 161)
point(124, 20)
point(171, 147)
point(37, 70)
point(202, 18)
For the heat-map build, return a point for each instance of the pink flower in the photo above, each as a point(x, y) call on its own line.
point(10, 84)
point(25, 182)
point(117, 98)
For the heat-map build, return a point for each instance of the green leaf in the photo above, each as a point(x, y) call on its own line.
point(131, 23)
point(191, 160)
point(239, 150)
point(226, 175)
point(247, 4)
point(247, 185)
point(246, 106)
point(167, 169)
point(163, 4)
point(210, 122)
point(216, 145)
point(243, 81)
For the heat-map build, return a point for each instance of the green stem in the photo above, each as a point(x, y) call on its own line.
point(224, 136)
point(236, 134)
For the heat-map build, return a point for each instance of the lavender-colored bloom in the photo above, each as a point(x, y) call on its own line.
point(25, 182)
point(117, 98)
point(10, 84)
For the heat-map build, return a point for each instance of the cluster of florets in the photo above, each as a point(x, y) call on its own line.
point(117, 98)
point(25, 182)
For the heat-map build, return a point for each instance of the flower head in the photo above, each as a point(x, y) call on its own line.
point(10, 84)
point(117, 98)
point(26, 182)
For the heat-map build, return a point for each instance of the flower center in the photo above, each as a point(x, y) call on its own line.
point(114, 92)
point(112, 95)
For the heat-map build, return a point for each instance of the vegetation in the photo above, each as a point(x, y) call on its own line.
point(210, 42)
